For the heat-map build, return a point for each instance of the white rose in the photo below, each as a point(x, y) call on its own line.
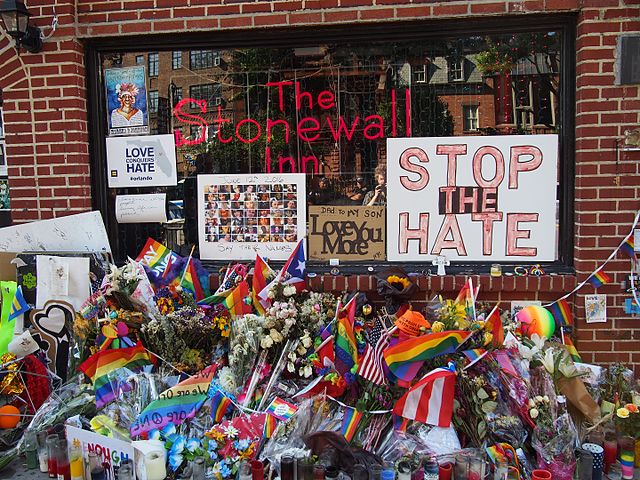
point(275, 335)
point(266, 342)
point(307, 342)
point(301, 350)
point(538, 399)
point(533, 413)
point(271, 294)
point(291, 367)
point(546, 399)
point(531, 403)
point(292, 356)
point(307, 371)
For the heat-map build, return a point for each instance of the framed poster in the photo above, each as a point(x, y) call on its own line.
point(479, 198)
point(147, 161)
point(239, 215)
point(127, 106)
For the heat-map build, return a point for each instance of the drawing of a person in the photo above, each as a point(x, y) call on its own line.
point(126, 115)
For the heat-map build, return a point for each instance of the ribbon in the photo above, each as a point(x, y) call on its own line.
point(7, 326)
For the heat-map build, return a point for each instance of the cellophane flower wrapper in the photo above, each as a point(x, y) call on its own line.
point(443, 442)
point(401, 444)
point(503, 422)
point(244, 346)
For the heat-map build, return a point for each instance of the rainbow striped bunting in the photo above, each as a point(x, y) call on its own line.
point(281, 409)
point(561, 312)
point(350, 422)
point(261, 271)
point(176, 404)
point(599, 278)
point(493, 325)
point(235, 301)
point(405, 358)
point(101, 364)
point(628, 247)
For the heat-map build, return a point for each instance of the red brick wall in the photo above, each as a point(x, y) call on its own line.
point(47, 125)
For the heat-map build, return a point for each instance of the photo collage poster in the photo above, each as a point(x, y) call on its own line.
point(239, 215)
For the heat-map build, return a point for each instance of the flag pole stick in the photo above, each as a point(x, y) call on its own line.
point(187, 265)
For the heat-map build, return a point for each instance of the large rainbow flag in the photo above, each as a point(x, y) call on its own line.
point(405, 358)
point(346, 350)
point(157, 257)
point(101, 364)
point(176, 404)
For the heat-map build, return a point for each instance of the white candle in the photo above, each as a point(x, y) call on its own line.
point(154, 465)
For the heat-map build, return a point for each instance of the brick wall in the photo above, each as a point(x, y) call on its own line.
point(47, 125)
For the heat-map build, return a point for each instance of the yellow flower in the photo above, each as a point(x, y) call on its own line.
point(437, 327)
point(622, 413)
point(399, 280)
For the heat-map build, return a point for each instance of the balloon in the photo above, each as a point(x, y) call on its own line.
point(9, 416)
point(536, 319)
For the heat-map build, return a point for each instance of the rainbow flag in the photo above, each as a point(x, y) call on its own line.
point(19, 305)
point(400, 424)
point(101, 364)
point(571, 348)
point(157, 257)
point(270, 424)
point(191, 282)
point(405, 358)
point(561, 311)
point(344, 339)
point(493, 325)
point(350, 422)
point(261, 271)
point(474, 355)
point(236, 303)
point(628, 247)
point(176, 404)
point(220, 405)
point(599, 278)
point(467, 298)
point(281, 409)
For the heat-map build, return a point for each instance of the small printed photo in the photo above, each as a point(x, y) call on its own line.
point(211, 206)
point(264, 238)
point(211, 238)
point(250, 213)
point(225, 229)
point(290, 229)
point(211, 188)
point(237, 222)
point(224, 213)
point(251, 221)
point(263, 213)
point(237, 214)
point(277, 196)
point(263, 197)
point(263, 230)
point(263, 188)
point(250, 238)
point(250, 197)
point(264, 205)
point(277, 238)
point(276, 230)
point(211, 197)
point(291, 205)
point(236, 205)
point(225, 221)
point(290, 196)
point(290, 213)
point(290, 221)
point(276, 221)
point(276, 205)
point(249, 188)
point(264, 220)
point(291, 237)
point(237, 197)
point(252, 229)
point(276, 188)
point(223, 196)
point(250, 205)
point(225, 188)
point(225, 238)
point(239, 238)
point(223, 204)
point(237, 189)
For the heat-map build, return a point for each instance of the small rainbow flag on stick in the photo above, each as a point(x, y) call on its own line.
point(350, 422)
point(236, 303)
point(628, 247)
point(561, 311)
point(281, 409)
point(220, 404)
point(270, 424)
point(571, 348)
point(599, 278)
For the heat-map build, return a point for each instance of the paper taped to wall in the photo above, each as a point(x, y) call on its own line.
point(147, 208)
point(84, 232)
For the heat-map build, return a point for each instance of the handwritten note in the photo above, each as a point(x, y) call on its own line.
point(84, 232)
point(147, 208)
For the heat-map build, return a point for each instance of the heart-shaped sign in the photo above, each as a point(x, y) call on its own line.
point(51, 325)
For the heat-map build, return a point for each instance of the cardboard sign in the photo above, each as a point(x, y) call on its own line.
point(51, 331)
point(239, 215)
point(481, 198)
point(148, 161)
point(112, 452)
point(346, 233)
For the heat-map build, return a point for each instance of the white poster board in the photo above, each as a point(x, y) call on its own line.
point(239, 215)
point(147, 161)
point(111, 451)
point(480, 198)
point(84, 232)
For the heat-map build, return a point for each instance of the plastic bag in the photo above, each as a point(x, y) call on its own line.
point(439, 440)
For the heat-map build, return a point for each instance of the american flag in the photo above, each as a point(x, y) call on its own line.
point(371, 364)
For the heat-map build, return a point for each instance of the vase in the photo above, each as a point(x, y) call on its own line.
point(626, 456)
point(540, 475)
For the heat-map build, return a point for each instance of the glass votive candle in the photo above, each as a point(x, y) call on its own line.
point(43, 454)
point(496, 270)
point(62, 460)
point(52, 455)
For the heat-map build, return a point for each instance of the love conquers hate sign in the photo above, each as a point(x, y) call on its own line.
point(477, 198)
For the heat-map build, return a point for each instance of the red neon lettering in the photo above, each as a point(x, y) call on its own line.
point(219, 121)
point(516, 166)
point(310, 158)
point(343, 127)
point(250, 121)
point(326, 100)
point(190, 119)
point(405, 164)
point(273, 123)
point(300, 95)
point(378, 125)
point(452, 152)
point(302, 130)
point(421, 233)
point(280, 86)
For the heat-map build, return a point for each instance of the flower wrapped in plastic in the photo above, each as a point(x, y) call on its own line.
point(395, 286)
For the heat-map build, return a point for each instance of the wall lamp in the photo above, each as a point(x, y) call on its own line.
point(15, 17)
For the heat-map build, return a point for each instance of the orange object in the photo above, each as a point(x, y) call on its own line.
point(412, 323)
point(9, 417)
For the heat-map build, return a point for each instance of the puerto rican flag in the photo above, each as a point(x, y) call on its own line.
point(431, 399)
point(295, 269)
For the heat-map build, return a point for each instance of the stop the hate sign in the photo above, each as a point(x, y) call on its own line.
point(480, 198)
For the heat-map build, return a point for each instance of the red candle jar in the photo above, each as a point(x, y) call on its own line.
point(610, 451)
point(445, 471)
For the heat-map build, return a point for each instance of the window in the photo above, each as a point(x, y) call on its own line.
point(177, 95)
point(154, 64)
point(470, 118)
point(420, 73)
point(176, 60)
point(210, 92)
point(153, 101)
point(201, 59)
point(456, 69)
point(139, 59)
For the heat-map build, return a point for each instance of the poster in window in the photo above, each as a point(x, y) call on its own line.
point(475, 198)
point(3, 159)
point(127, 106)
point(239, 215)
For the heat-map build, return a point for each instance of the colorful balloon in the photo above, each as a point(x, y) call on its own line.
point(9, 417)
point(536, 319)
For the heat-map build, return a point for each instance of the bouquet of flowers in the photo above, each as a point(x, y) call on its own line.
point(395, 286)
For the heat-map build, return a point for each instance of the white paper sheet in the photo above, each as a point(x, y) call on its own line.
point(147, 208)
point(77, 280)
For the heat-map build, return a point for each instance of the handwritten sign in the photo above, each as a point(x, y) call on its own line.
point(239, 215)
point(84, 232)
point(346, 233)
point(474, 198)
point(147, 208)
point(141, 161)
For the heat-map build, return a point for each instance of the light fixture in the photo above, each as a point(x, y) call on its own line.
point(15, 17)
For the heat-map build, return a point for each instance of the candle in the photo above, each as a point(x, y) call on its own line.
point(154, 465)
point(77, 469)
point(610, 453)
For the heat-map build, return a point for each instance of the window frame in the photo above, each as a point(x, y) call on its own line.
point(176, 60)
point(153, 110)
point(452, 69)
point(410, 31)
point(424, 70)
point(476, 119)
point(155, 62)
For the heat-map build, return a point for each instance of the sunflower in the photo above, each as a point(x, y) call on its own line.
point(398, 282)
